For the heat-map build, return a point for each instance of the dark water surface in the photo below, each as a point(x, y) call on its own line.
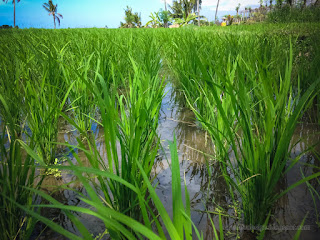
point(207, 191)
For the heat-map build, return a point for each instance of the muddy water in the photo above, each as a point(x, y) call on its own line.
point(294, 206)
point(207, 190)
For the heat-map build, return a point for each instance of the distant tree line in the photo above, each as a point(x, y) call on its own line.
point(294, 11)
point(181, 12)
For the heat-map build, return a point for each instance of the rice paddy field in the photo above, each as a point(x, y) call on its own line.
point(189, 133)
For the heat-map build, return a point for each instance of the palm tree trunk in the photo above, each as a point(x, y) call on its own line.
point(215, 18)
point(198, 13)
point(54, 21)
point(165, 8)
point(14, 13)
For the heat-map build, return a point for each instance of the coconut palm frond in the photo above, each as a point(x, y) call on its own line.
point(58, 19)
point(46, 8)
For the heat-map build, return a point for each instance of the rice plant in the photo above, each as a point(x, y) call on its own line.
point(17, 171)
point(42, 113)
point(117, 224)
point(266, 113)
point(11, 81)
point(81, 101)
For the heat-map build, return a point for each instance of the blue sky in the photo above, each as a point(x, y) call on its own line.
point(99, 13)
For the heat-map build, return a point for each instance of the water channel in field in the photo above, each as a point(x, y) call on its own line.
point(207, 190)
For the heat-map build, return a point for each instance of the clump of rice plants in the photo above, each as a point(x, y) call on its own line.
point(255, 118)
point(119, 225)
point(11, 82)
point(17, 174)
point(81, 107)
point(130, 119)
point(241, 87)
point(42, 118)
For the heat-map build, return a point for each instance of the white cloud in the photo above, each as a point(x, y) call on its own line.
point(228, 5)
point(209, 3)
point(168, 1)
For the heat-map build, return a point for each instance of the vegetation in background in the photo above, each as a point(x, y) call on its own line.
point(132, 20)
point(165, 17)
point(287, 14)
point(185, 11)
point(180, 8)
point(155, 21)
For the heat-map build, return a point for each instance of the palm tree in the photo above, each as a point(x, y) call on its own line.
point(237, 9)
point(133, 20)
point(176, 9)
point(164, 16)
point(199, 2)
point(250, 11)
point(52, 9)
point(215, 18)
point(188, 6)
point(290, 2)
point(180, 8)
point(14, 10)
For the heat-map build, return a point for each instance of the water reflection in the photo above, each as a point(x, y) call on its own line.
point(292, 207)
point(207, 189)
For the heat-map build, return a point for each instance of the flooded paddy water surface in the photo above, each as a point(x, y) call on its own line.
point(207, 189)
